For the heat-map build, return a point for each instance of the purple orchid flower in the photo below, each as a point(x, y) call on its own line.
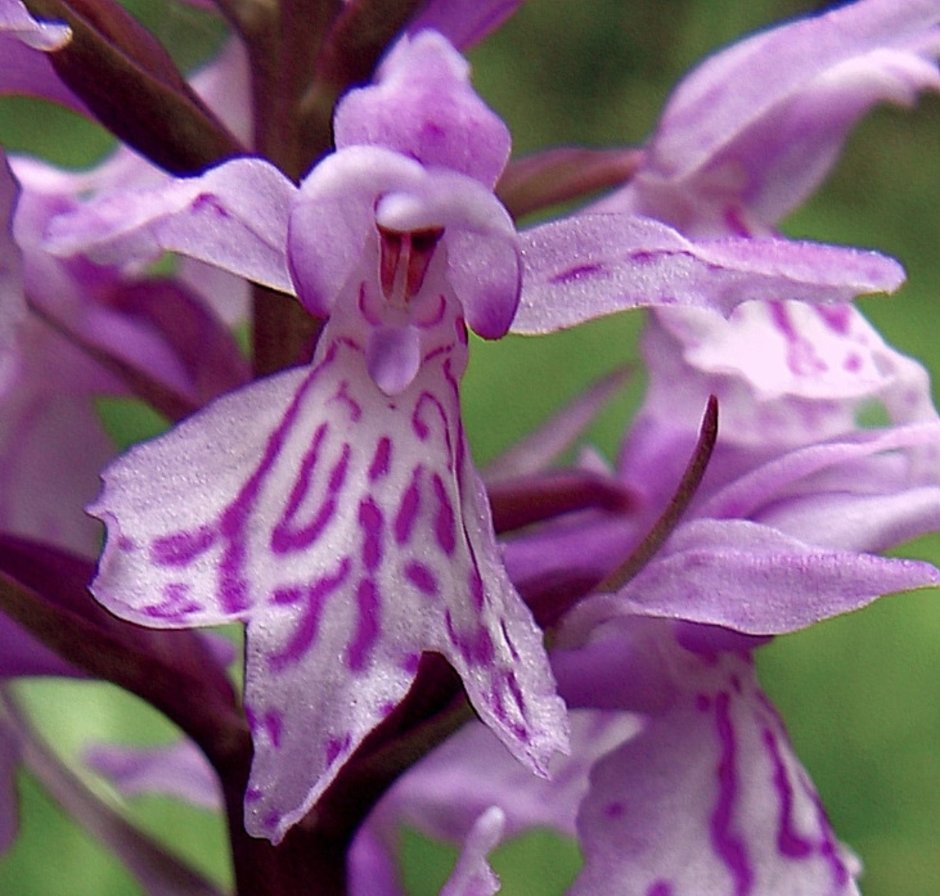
point(348, 520)
point(353, 481)
point(749, 134)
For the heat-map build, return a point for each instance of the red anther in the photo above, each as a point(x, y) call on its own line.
point(404, 259)
point(390, 250)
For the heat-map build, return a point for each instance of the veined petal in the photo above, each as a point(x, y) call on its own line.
point(868, 493)
point(785, 374)
point(590, 265)
point(233, 216)
point(709, 798)
point(352, 533)
point(753, 130)
point(754, 579)
point(177, 770)
point(424, 107)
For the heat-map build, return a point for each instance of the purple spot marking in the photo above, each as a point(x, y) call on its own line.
point(460, 328)
point(272, 820)
point(422, 578)
point(853, 363)
point(177, 604)
point(725, 842)
point(789, 841)
point(828, 848)
point(475, 583)
point(371, 522)
point(305, 632)
point(364, 309)
point(253, 794)
point(381, 460)
point(408, 508)
point(233, 589)
point(576, 273)
point(801, 356)
point(335, 746)
point(836, 317)
point(614, 810)
point(660, 888)
point(274, 725)
point(342, 395)
point(444, 525)
point(421, 428)
point(436, 316)
point(209, 202)
point(285, 538)
point(410, 663)
point(483, 651)
point(368, 602)
point(126, 544)
point(287, 596)
point(181, 548)
point(702, 702)
point(643, 256)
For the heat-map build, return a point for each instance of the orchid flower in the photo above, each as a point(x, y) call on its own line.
point(348, 519)
point(749, 134)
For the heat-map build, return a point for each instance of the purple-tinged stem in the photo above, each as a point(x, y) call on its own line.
point(688, 485)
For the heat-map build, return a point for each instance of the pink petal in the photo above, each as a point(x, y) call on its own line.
point(710, 798)
point(590, 265)
point(424, 107)
point(234, 216)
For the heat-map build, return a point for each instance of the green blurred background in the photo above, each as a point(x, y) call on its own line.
point(859, 693)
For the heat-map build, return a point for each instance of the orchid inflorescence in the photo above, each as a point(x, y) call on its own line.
point(469, 653)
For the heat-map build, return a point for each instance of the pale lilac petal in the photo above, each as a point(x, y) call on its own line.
point(401, 513)
point(163, 562)
point(52, 443)
point(16, 21)
point(710, 798)
point(178, 770)
point(234, 216)
point(424, 107)
point(464, 22)
point(785, 374)
point(443, 794)
point(472, 876)
point(754, 579)
point(751, 132)
point(590, 265)
point(868, 494)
